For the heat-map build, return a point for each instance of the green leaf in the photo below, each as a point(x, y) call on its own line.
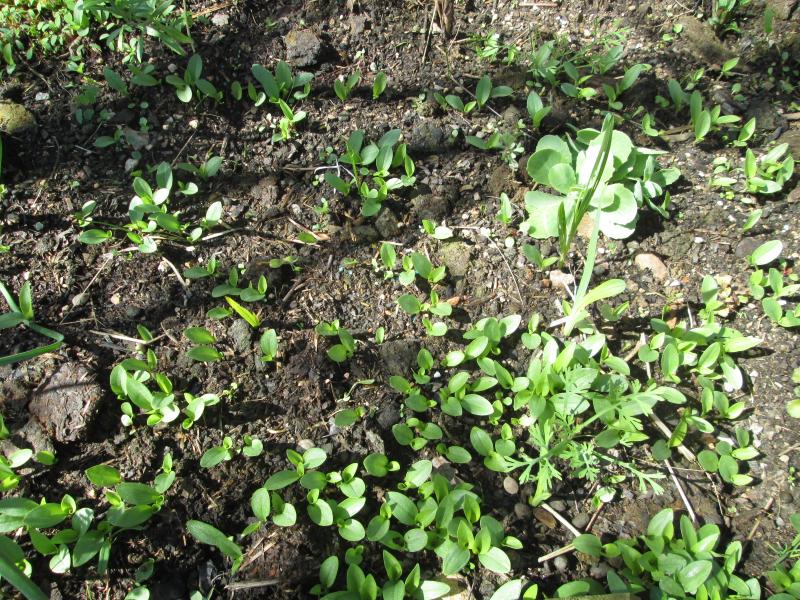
point(477, 405)
point(510, 590)
point(455, 560)
point(260, 504)
point(766, 253)
point(94, 236)
point(208, 534)
point(204, 354)
point(136, 493)
point(248, 316)
point(483, 90)
point(281, 479)
point(495, 560)
point(458, 455)
point(793, 408)
point(481, 441)
point(10, 573)
point(661, 524)
point(694, 574)
point(588, 544)
point(199, 335)
point(214, 456)
point(103, 475)
point(328, 571)
point(409, 304)
point(708, 460)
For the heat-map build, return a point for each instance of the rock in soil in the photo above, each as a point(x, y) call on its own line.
point(456, 257)
point(66, 403)
point(303, 47)
point(15, 118)
point(430, 206)
point(429, 138)
point(652, 263)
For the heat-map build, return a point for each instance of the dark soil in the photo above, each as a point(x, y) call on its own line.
point(96, 295)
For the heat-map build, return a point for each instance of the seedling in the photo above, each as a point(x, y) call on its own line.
point(533, 254)
point(768, 173)
point(251, 447)
point(536, 109)
point(345, 348)
point(412, 306)
point(204, 350)
point(379, 85)
point(231, 287)
point(610, 181)
point(725, 459)
point(484, 91)
point(343, 87)
point(206, 170)
point(371, 165)
point(437, 232)
point(282, 85)
point(417, 263)
point(22, 314)
point(705, 121)
point(151, 219)
point(680, 564)
point(628, 80)
point(208, 534)
point(192, 80)
point(269, 345)
point(288, 123)
point(90, 534)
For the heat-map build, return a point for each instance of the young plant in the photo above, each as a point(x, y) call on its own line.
point(370, 169)
point(484, 91)
point(151, 217)
point(768, 173)
point(288, 123)
point(21, 313)
point(343, 87)
point(379, 85)
point(281, 85)
point(704, 120)
point(611, 181)
point(417, 264)
point(347, 345)
point(536, 109)
point(192, 83)
point(204, 350)
point(613, 92)
point(679, 564)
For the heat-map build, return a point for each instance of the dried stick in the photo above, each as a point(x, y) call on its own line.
point(678, 485)
point(573, 530)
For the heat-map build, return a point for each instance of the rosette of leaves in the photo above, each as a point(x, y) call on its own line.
point(629, 179)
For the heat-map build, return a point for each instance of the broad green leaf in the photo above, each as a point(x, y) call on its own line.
point(103, 475)
point(495, 560)
point(766, 253)
point(208, 534)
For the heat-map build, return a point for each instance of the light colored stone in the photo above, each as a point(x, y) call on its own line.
point(511, 486)
point(652, 263)
point(15, 118)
